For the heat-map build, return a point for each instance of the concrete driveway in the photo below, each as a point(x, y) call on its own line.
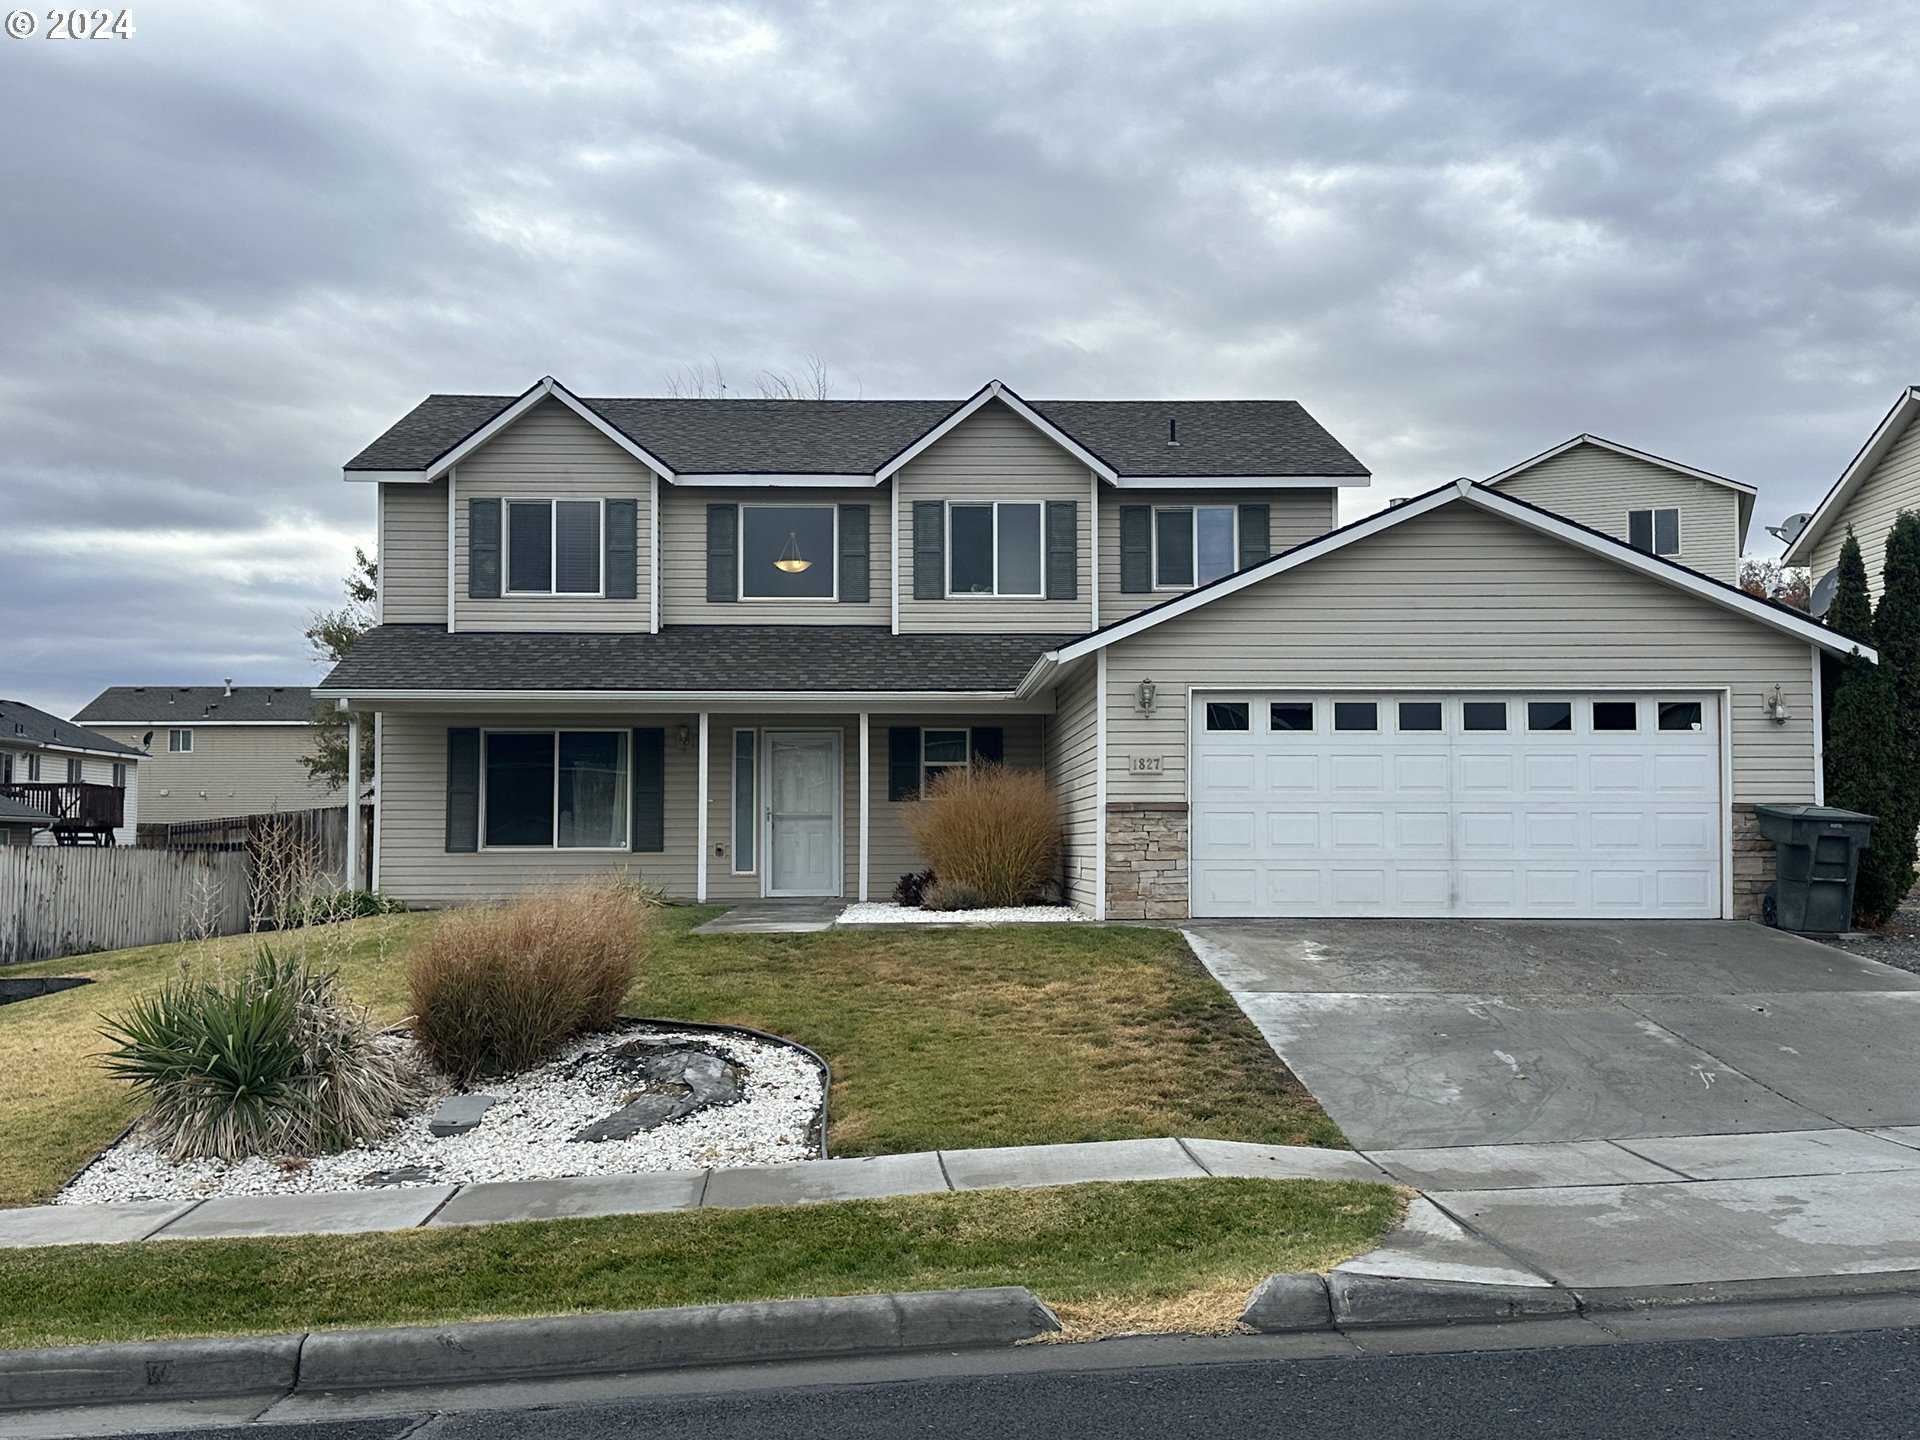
point(1458, 1033)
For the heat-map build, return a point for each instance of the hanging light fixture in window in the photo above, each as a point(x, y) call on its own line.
point(791, 560)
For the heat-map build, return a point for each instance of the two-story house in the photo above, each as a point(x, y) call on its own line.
point(1693, 517)
point(1880, 481)
point(60, 782)
point(719, 643)
point(215, 751)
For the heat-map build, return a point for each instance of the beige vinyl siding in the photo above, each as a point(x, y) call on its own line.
point(413, 554)
point(683, 553)
point(1072, 751)
point(231, 770)
point(1293, 518)
point(1463, 600)
point(995, 455)
point(1893, 486)
point(1596, 487)
point(550, 453)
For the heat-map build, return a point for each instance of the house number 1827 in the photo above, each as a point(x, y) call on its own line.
point(1146, 764)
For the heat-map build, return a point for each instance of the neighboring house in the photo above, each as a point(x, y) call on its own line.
point(1882, 480)
point(83, 784)
point(1693, 517)
point(720, 643)
point(214, 751)
point(20, 822)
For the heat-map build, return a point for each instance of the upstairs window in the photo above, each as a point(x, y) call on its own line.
point(994, 549)
point(76, 770)
point(6, 767)
point(120, 774)
point(1655, 531)
point(180, 742)
point(1193, 544)
point(553, 547)
point(787, 552)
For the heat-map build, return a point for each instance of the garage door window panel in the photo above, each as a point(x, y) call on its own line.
point(1229, 715)
point(1680, 715)
point(1551, 715)
point(1356, 715)
point(1290, 716)
point(1420, 716)
point(1615, 715)
point(1483, 716)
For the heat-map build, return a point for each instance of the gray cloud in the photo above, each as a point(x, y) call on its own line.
point(242, 242)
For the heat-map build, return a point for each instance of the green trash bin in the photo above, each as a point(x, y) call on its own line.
point(1817, 850)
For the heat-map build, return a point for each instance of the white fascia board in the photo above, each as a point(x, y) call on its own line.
point(388, 477)
point(1462, 491)
point(994, 390)
point(128, 754)
point(175, 723)
point(751, 702)
point(1800, 552)
point(1238, 482)
point(797, 481)
point(547, 388)
point(1618, 449)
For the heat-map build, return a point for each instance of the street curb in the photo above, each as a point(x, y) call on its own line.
point(1305, 1300)
point(543, 1347)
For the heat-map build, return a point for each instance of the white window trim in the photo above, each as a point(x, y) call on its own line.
point(553, 548)
point(740, 557)
point(996, 593)
point(733, 802)
point(966, 732)
point(1154, 546)
point(556, 848)
point(184, 734)
point(1653, 521)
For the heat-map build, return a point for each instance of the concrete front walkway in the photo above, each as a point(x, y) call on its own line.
point(923, 1173)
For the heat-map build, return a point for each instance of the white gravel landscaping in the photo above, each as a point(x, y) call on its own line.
point(874, 913)
point(526, 1136)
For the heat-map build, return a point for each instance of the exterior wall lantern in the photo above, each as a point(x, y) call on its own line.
point(1145, 691)
point(685, 736)
point(1776, 707)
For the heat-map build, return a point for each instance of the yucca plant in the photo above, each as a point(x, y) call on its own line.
point(275, 1062)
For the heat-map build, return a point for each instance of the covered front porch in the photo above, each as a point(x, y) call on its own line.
point(720, 804)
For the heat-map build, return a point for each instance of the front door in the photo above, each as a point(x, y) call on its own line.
point(803, 812)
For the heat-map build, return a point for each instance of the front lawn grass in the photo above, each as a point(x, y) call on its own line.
point(1004, 1035)
point(1158, 1255)
point(938, 1038)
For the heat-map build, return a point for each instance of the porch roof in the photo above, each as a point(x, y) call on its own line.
point(422, 660)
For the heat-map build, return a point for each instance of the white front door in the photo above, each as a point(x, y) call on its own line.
point(803, 812)
point(1552, 805)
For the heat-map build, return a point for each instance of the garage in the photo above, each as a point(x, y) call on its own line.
point(1565, 805)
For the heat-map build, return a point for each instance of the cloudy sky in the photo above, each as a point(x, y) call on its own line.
point(236, 245)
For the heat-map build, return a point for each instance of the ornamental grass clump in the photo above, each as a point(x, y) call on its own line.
point(989, 829)
point(274, 1062)
point(497, 990)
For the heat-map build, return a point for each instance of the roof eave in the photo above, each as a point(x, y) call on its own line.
point(1834, 503)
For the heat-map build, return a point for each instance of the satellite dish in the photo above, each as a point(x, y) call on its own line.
point(1822, 599)
point(1788, 530)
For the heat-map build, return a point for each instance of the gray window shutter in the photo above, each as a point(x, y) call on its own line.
point(1256, 535)
point(623, 549)
point(990, 744)
point(929, 554)
point(903, 762)
point(1063, 550)
point(463, 788)
point(650, 790)
point(723, 554)
point(483, 549)
point(855, 566)
point(1136, 549)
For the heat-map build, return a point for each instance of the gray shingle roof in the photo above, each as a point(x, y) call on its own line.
point(688, 657)
point(21, 722)
point(179, 704)
point(856, 437)
point(12, 812)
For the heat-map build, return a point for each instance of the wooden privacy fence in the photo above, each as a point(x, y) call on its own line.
point(57, 901)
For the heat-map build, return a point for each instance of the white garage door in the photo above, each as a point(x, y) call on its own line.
point(1559, 806)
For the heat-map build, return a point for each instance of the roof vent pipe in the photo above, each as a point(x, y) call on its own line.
point(1173, 432)
point(229, 684)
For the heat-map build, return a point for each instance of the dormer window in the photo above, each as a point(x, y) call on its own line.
point(1193, 544)
point(553, 547)
point(787, 552)
point(994, 549)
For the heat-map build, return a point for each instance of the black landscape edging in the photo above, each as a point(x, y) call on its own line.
point(32, 987)
point(826, 1071)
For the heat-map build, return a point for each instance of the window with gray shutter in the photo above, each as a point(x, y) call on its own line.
point(463, 790)
point(623, 549)
point(723, 554)
point(929, 550)
point(483, 549)
point(1063, 550)
point(1136, 549)
point(650, 790)
point(1256, 534)
point(903, 762)
point(855, 564)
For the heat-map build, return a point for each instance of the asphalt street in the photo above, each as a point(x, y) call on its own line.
point(1860, 1385)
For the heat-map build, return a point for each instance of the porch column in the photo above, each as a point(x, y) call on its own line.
point(865, 780)
point(700, 824)
point(353, 801)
